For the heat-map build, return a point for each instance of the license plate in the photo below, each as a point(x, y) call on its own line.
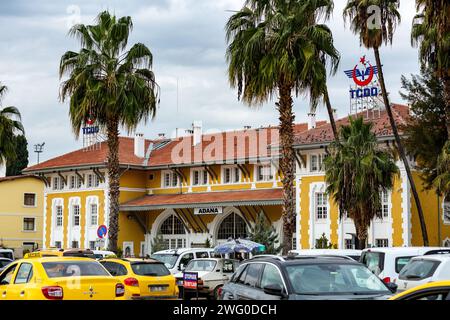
point(157, 288)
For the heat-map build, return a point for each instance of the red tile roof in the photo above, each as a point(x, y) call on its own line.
point(323, 133)
point(236, 145)
point(11, 178)
point(190, 200)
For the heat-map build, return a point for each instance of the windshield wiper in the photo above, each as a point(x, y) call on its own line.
point(413, 276)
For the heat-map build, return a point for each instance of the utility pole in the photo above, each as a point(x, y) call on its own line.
point(38, 148)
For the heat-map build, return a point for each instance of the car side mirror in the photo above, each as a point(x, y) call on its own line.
point(392, 287)
point(274, 290)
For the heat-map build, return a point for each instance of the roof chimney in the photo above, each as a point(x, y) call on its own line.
point(197, 132)
point(247, 127)
point(311, 121)
point(161, 135)
point(139, 145)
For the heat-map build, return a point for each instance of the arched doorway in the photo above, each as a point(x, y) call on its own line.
point(173, 232)
point(233, 226)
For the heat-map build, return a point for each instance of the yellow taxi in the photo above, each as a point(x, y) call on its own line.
point(143, 278)
point(56, 252)
point(439, 290)
point(58, 278)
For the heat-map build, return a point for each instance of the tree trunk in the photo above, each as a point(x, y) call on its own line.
point(361, 235)
point(400, 148)
point(330, 114)
point(114, 183)
point(287, 163)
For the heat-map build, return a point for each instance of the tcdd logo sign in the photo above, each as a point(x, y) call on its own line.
point(362, 78)
point(102, 231)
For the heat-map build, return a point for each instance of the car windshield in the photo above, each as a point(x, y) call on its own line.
point(62, 269)
point(201, 265)
point(418, 269)
point(168, 259)
point(334, 279)
point(149, 269)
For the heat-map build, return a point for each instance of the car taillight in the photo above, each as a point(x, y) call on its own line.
point(219, 292)
point(120, 290)
point(53, 292)
point(131, 282)
point(387, 280)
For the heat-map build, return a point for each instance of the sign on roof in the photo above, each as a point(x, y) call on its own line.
point(208, 210)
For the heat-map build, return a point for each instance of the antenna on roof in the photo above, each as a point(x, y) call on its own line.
point(38, 148)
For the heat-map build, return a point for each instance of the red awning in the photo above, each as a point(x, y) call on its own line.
point(203, 199)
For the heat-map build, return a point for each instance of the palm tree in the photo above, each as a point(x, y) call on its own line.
point(10, 125)
point(357, 170)
point(431, 32)
point(273, 46)
point(111, 85)
point(373, 36)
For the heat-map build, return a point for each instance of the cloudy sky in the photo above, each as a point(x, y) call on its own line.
point(187, 41)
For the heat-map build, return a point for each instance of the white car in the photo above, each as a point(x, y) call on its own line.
point(7, 253)
point(354, 254)
point(387, 263)
point(177, 259)
point(424, 269)
point(212, 273)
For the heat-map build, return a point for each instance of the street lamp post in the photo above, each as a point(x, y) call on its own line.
point(38, 148)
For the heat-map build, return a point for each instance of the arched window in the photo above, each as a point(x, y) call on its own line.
point(173, 232)
point(232, 226)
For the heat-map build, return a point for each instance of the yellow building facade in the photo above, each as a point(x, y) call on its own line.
point(21, 213)
point(203, 189)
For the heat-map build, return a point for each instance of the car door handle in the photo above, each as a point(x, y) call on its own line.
point(4, 294)
point(22, 293)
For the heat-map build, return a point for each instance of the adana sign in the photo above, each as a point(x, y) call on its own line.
point(208, 210)
point(363, 75)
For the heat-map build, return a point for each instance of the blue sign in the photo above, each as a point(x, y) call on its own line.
point(190, 280)
point(91, 130)
point(364, 93)
point(102, 231)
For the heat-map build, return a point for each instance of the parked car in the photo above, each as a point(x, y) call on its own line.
point(439, 290)
point(213, 273)
point(144, 279)
point(4, 262)
point(101, 254)
point(424, 269)
point(56, 252)
point(306, 278)
point(177, 259)
point(58, 278)
point(7, 253)
point(354, 254)
point(387, 263)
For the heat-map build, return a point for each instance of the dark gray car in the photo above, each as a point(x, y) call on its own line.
point(307, 278)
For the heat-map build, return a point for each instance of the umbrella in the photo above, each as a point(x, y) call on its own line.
point(239, 245)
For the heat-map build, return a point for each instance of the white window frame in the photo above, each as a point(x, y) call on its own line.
point(57, 225)
point(172, 176)
point(57, 183)
point(385, 204)
point(319, 162)
point(34, 224)
point(384, 241)
point(201, 177)
point(35, 200)
point(233, 178)
point(76, 215)
point(72, 181)
point(323, 205)
point(264, 177)
point(91, 215)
